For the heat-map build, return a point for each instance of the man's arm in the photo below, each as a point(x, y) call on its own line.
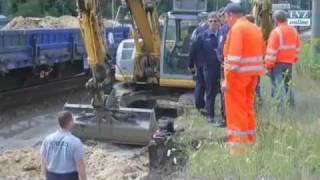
point(272, 50)
point(81, 170)
point(298, 44)
point(193, 50)
point(78, 157)
point(43, 159)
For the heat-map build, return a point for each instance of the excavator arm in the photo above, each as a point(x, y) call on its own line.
point(145, 20)
point(262, 12)
point(147, 43)
point(91, 29)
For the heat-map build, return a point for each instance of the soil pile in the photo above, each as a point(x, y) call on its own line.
point(22, 23)
point(101, 164)
point(59, 22)
point(49, 22)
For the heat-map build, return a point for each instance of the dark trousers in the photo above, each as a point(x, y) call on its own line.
point(223, 114)
point(199, 89)
point(212, 88)
point(258, 89)
point(66, 176)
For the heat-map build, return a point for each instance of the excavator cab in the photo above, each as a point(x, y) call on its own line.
point(177, 27)
point(176, 38)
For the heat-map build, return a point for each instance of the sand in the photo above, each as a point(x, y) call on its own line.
point(102, 163)
point(20, 22)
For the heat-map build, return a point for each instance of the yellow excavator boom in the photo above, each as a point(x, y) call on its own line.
point(262, 12)
point(147, 40)
point(92, 32)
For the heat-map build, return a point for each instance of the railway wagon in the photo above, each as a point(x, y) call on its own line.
point(37, 56)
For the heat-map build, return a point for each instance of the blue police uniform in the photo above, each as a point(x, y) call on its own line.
point(223, 32)
point(208, 42)
point(222, 36)
point(196, 59)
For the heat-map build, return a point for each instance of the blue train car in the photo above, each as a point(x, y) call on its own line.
point(31, 57)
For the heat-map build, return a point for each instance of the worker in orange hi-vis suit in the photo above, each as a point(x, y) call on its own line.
point(282, 52)
point(243, 52)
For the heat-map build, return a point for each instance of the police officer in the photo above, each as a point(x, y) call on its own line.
point(196, 60)
point(208, 42)
point(222, 34)
point(62, 153)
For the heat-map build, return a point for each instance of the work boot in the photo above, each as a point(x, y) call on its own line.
point(219, 124)
point(202, 112)
point(210, 119)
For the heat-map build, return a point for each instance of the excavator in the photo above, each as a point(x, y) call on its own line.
point(262, 11)
point(153, 84)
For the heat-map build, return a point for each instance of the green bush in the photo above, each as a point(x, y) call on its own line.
point(310, 59)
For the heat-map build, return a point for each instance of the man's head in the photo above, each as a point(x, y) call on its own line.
point(203, 17)
point(233, 12)
point(250, 18)
point(280, 16)
point(213, 21)
point(65, 120)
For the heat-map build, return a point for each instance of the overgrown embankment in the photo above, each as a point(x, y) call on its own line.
point(288, 145)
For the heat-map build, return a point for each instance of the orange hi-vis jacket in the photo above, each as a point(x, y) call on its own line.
point(283, 45)
point(244, 49)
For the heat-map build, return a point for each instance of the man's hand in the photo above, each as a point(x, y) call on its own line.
point(192, 70)
point(81, 170)
point(224, 86)
point(43, 167)
point(269, 72)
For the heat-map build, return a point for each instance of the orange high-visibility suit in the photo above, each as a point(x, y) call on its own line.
point(283, 45)
point(244, 52)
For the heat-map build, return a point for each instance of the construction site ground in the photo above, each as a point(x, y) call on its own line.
point(22, 128)
point(287, 145)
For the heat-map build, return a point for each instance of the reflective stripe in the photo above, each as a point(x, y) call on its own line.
point(241, 133)
point(239, 144)
point(233, 67)
point(229, 67)
point(233, 58)
point(251, 68)
point(271, 51)
point(282, 46)
point(255, 59)
point(252, 59)
point(270, 58)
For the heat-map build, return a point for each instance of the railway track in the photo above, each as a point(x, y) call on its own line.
point(28, 94)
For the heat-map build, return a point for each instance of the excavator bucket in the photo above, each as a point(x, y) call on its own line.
point(122, 125)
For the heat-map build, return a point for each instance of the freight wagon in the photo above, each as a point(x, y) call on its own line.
point(33, 57)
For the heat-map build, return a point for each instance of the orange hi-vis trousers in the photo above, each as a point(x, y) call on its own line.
point(239, 101)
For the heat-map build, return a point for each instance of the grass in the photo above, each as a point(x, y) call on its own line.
point(288, 146)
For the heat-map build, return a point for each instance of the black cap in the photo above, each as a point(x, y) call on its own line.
point(233, 8)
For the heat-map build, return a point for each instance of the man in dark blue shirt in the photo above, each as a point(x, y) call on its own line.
point(208, 46)
point(196, 59)
point(222, 36)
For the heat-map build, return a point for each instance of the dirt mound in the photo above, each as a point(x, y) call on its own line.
point(22, 23)
point(59, 22)
point(46, 22)
point(49, 22)
point(101, 164)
